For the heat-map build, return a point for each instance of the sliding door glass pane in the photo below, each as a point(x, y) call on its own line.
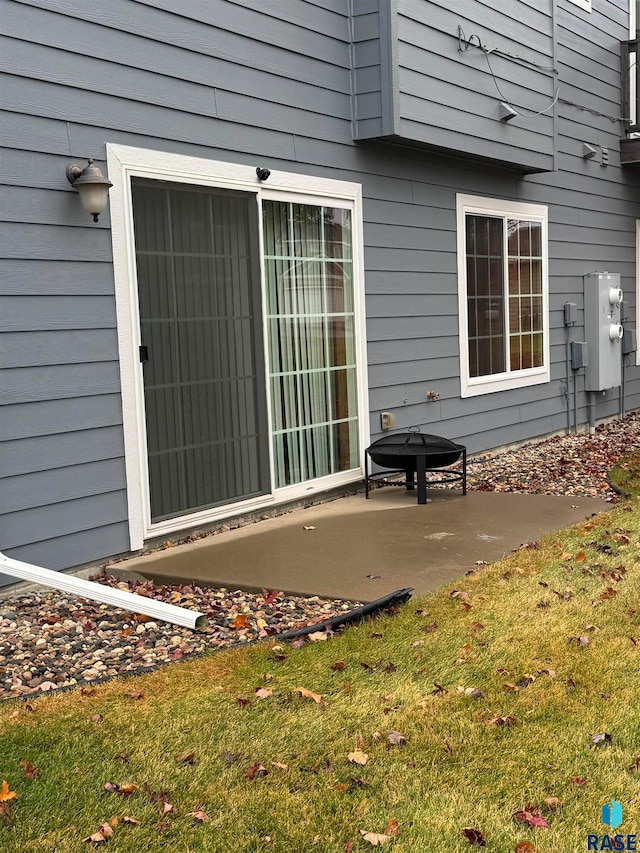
point(309, 281)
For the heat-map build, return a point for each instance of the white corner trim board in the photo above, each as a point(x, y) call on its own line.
point(103, 594)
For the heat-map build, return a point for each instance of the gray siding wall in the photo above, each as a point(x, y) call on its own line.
point(250, 83)
point(432, 83)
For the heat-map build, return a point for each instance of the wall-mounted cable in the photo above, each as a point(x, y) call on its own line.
point(474, 42)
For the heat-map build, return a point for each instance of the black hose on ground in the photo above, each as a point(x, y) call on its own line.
point(400, 596)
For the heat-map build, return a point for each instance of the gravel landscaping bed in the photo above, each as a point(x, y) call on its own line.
point(50, 640)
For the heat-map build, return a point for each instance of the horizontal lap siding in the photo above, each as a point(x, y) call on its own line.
point(234, 82)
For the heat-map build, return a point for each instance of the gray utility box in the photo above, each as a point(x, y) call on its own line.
point(602, 330)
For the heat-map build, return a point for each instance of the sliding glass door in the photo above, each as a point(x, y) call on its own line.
point(211, 439)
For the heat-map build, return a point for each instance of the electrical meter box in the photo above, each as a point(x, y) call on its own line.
point(602, 330)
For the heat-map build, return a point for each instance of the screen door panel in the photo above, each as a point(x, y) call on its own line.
point(197, 264)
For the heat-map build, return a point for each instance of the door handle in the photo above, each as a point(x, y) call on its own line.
point(144, 354)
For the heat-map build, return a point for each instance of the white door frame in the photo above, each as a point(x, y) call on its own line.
point(123, 162)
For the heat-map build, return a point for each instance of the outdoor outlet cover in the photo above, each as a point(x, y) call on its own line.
point(387, 420)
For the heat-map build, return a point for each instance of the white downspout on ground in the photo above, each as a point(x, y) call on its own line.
point(104, 594)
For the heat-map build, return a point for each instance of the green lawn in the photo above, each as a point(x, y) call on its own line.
point(549, 641)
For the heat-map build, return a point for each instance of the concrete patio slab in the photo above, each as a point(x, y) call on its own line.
point(361, 550)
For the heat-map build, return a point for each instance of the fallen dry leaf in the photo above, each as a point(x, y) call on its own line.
point(551, 803)
point(393, 827)
point(30, 770)
point(358, 757)
point(474, 836)
point(186, 758)
point(308, 694)
point(609, 592)
point(135, 694)
point(241, 621)
point(396, 738)
point(97, 718)
point(130, 821)
point(524, 847)
point(125, 789)
point(459, 594)
point(318, 636)
point(600, 738)
point(309, 527)
point(104, 833)
point(473, 692)
point(531, 816)
point(199, 816)
point(280, 765)
point(550, 672)
point(338, 666)
point(263, 693)
point(5, 794)
point(502, 721)
point(464, 652)
point(255, 769)
point(376, 839)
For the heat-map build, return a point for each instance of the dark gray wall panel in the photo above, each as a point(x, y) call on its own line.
point(33, 133)
point(31, 384)
point(25, 528)
point(24, 276)
point(39, 242)
point(73, 550)
point(45, 452)
point(41, 98)
point(61, 484)
point(32, 349)
point(50, 417)
point(56, 312)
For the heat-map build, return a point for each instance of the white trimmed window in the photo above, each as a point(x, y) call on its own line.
point(503, 294)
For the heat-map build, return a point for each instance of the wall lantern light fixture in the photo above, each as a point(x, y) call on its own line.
point(92, 186)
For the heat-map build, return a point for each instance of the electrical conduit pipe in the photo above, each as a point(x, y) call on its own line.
point(104, 594)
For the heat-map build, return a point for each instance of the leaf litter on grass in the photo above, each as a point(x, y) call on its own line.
point(449, 741)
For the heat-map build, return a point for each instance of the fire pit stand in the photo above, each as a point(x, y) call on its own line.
point(414, 454)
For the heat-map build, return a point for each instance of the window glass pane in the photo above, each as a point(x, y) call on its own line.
point(514, 280)
point(311, 343)
point(339, 287)
point(485, 297)
point(495, 237)
point(536, 239)
point(306, 279)
point(337, 232)
point(537, 349)
point(536, 276)
point(307, 230)
point(308, 273)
